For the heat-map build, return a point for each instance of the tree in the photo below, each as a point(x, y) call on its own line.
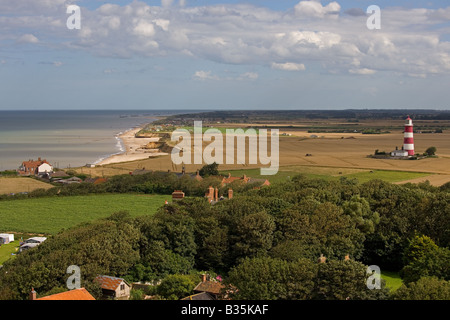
point(359, 210)
point(419, 247)
point(209, 170)
point(253, 234)
point(266, 278)
point(176, 286)
point(424, 258)
point(431, 151)
point(345, 280)
point(426, 288)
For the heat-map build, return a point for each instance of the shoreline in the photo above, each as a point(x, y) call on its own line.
point(132, 148)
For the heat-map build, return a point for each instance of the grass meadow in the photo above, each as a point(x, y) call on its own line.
point(329, 174)
point(393, 280)
point(50, 215)
point(7, 249)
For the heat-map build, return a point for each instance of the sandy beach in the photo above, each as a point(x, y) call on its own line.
point(134, 149)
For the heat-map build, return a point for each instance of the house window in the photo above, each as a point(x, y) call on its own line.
point(122, 287)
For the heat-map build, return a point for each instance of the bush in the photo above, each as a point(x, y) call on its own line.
point(176, 286)
point(431, 151)
point(427, 288)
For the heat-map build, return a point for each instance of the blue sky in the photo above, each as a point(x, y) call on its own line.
point(219, 55)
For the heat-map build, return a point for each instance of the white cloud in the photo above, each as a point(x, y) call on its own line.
point(204, 75)
point(289, 66)
point(28, 38)
point(208, 75)
point(57, 63)
point(248, 76)
point(315, 9)
point(162, 23)
point(363, 71)
point(410, 42)
point(145, 29)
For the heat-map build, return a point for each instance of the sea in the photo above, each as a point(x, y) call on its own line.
point(69, 138)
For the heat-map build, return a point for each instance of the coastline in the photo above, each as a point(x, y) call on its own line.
point(132, 148)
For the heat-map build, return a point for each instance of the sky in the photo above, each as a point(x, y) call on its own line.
point(224, 54)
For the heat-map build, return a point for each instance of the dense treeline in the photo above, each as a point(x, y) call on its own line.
point(150, 183)
point(264, 242)
point(249, 116)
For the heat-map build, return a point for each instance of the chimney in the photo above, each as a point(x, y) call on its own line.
point(32, 294)
point(322, 259)
point(230, 193)
point(39, 159)
point(204, 277)
point(210, 194)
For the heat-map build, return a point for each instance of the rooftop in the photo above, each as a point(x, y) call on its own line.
point(109, 283)
point(209, 286)
point(76, 294)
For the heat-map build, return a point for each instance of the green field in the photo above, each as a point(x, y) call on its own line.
point(7, 249)
point(329, 174)
point(50, 215)
point(393, 280)
point(386, 175)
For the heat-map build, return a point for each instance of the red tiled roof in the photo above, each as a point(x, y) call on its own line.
point(209, 286)
point(76, 294)
point(109, 283)
point(33, 163)
point(230, 179)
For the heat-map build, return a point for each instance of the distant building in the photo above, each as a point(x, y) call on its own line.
point(31, 243)
point(399, 153)
point(35, 167)
point(37, 240)
point(59, 174)
point(207, 289)
point(96, 180)
point(114, 288)
point(75, 294)
point(177, 195)
point(213, 195)
point(244, 179)
point(6, 238)
point(70, 180)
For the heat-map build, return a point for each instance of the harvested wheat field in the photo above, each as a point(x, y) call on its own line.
point(21, 184)
point(342, 151)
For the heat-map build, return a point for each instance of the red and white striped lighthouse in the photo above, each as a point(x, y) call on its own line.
point(408, 141)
